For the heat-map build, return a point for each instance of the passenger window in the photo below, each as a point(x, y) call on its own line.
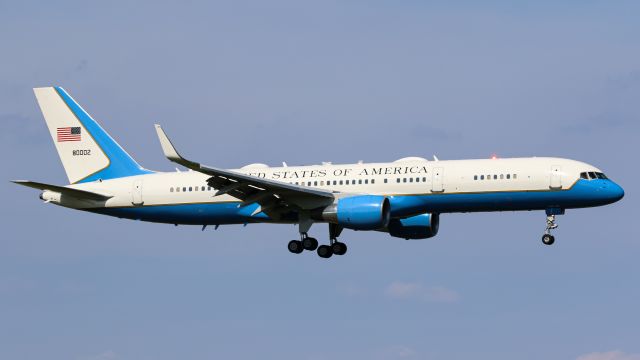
point(321, 183)
point(196, 188)
point(353, 182)
point(184, 189)
point(315, 183)
point(481, 177)
point(209, 188)
point(373, 181)
point(397, 180)
point(495, 177)
point(418, 179)
point(501, 176)
point(424, 179)
point(404, 180)
point(475, 177)
point(385, 180)
point(508, 176)
point(366, 181)
point(410, 179)
point(515, 176)
point(171, 190)
point(340, 182)
point(360, 181)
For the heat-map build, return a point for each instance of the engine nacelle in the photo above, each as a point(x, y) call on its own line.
point(366, 212)
point(421, 226)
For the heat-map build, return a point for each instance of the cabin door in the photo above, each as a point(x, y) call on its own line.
point(136, 193)
point(556, 177)
point(436, 180)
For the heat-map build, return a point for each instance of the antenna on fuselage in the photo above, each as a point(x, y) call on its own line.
point(435, 158)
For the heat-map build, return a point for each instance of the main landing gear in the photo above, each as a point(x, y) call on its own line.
point(324, 251)
point(305, 243)
point(547, 238)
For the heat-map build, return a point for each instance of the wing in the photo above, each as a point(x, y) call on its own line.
point(274, 197)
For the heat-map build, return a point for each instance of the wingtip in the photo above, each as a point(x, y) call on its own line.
point(167, 147)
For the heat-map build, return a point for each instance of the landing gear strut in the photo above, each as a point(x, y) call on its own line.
point(547, 238)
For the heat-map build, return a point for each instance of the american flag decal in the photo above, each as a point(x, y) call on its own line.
point(69, 134)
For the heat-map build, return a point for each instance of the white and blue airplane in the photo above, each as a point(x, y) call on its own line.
point(403, 198)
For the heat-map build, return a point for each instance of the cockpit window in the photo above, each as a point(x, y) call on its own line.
point(591, 175)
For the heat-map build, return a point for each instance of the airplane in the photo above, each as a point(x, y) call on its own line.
point(403, 198)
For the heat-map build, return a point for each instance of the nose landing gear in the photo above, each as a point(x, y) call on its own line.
point(547, 238)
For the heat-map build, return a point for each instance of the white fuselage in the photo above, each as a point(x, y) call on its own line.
point(410, 177)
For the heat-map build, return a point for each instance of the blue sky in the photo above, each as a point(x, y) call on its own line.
point(304, 82)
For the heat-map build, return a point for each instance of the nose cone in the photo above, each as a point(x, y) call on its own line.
point(606, 191)
point(614, 191)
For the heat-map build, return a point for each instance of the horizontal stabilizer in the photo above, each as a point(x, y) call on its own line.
point(79, 194)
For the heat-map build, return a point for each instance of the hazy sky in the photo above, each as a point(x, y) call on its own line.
point(240, 82)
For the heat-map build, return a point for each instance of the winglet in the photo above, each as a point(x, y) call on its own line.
point(170, 151)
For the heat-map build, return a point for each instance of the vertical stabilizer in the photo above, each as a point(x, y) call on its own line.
point(87, 152)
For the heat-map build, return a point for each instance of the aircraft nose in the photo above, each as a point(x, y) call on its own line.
point(615, 191)
point(609, 191)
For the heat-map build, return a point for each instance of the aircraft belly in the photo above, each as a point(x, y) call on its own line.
point(196, 214)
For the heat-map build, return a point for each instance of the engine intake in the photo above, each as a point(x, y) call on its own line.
point(421, 226)
point(366, 212)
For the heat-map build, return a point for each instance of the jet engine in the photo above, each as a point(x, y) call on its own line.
point(421, 226)
point(365, 212)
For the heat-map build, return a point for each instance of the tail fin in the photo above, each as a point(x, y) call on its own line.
point(87, 152)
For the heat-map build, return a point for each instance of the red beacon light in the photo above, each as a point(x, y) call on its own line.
point(494, 157)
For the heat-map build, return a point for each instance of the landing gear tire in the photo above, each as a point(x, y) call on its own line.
point(309, 243)
point(325, 251)
point(339, 248)
point(548, 239)
point(295, 246)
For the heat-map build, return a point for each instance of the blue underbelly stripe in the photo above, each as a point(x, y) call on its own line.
point(582, 194)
